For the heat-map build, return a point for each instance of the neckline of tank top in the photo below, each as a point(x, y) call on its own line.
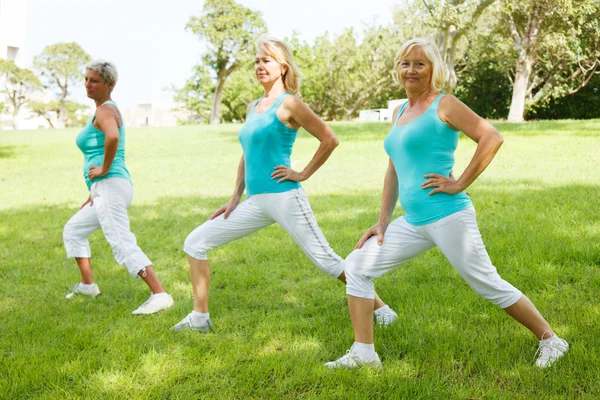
point(269, 108)
point(413, 120)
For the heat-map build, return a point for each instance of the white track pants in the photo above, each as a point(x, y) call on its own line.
point(458, 238)
point(289, 209)
point(111, 199)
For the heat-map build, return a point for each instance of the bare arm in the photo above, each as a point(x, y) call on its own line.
point(238, 191)
point(106, 120)
point(298, 114)
point(388, 202)
point(460, 117)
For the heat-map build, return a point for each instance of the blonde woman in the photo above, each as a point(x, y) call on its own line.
point(274, 194)
point(438, 212)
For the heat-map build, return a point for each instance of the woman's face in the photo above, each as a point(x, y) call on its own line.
point(415, 70)
point(267, 70)
point(95, 86)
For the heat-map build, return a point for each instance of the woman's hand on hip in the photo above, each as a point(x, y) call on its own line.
point(226, 209)
point(284, 173)
point(96, 172)
point(442, 184)
point(377, 229)
point(89, 200)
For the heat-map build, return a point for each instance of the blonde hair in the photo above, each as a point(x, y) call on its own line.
point(280, 52)
point(439, 74)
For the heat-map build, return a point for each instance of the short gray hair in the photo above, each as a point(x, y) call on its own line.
point(107, 70)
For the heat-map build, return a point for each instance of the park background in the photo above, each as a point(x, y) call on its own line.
point(278, 319)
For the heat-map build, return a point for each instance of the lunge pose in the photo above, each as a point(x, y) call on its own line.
point(102, 142)
point(438, 212)
point(272, 186)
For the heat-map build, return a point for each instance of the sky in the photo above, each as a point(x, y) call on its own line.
point(150, 46)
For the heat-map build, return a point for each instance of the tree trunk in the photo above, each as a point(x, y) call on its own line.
point(521, 82)
point(215, 112)
point(14, 118)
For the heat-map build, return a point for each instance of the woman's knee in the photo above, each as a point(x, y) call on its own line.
point(195, 245)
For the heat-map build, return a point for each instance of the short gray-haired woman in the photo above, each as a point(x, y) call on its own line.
point(438, 212)
point(102, 142)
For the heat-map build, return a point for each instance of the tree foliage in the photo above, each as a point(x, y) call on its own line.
point(494, 49)
point(76, 114)
point(63, 65)
point(229, 30)
point(18, 84)
point(557, 47)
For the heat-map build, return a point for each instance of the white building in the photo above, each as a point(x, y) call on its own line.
point(381, 114)
point(13, 30)
point(375, 115)
point(147, 114)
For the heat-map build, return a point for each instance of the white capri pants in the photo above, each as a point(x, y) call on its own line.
point(111, 197)
point(289, 209)
point(458, 238)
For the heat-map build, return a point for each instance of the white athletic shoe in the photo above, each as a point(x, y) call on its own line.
point(77, 289)
point(186, 324)
point(155, 304)
point(351, 360)
point(551, 350)
point(385, 316)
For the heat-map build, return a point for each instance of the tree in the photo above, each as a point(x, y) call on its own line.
point(194, 97)
point(77, 114)
point(62, 64)
point(230, 30)
point(18, 84)
point(45, 110)
point(558, 49)
point(450, 24)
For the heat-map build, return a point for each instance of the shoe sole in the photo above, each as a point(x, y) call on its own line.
point(71, 295)
point(210, 327)
point(153, 312)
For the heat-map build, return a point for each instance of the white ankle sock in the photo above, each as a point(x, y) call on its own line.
point(366, 351)
point(198, 317)
point(85, 285)
point(160, 294)
point(382, 309)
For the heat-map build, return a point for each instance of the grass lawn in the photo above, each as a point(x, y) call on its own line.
point(277, 318)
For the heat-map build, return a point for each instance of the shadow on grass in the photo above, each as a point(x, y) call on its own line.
point(278, 318)
point(7, 151)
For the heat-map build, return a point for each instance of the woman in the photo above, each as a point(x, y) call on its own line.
point(102, 142)
point(438, 212)
point(273, 188)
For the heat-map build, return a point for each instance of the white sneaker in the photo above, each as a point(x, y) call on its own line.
point(351, 360)
point(155, 304)
point(385, 316)
point(93, 291)
point(186, 324)
point(551, 350)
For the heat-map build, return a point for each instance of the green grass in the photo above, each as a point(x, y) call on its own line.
point(278, 318)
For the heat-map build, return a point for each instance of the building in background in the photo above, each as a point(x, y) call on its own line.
point(146, 114)
point(13, 32)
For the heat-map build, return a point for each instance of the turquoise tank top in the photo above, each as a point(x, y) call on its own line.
point(91, 143)
point(425, 145)
point(267, 143)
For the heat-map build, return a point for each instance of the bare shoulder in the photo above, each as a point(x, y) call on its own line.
point(105, 111)
point(249, 106)
point(396, 111)
point(293, 102)
point(450, 101)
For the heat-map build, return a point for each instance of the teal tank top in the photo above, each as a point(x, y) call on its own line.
point(266, 143)
point(425, 145)
point(91, 143)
